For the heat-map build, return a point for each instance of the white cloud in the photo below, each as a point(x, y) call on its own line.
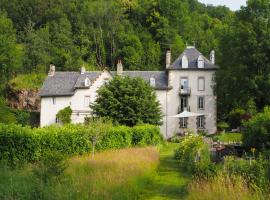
point(232, 4)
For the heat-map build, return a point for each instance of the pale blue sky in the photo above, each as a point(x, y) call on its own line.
point(232, 4)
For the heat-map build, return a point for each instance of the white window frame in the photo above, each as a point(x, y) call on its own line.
point(200, 62)
point(54, 100)
point(87, 101)
point(201, 121)
point(201, 105)
point(152, 82)
point(183, 86)
point(203, 87)
point(183, 122)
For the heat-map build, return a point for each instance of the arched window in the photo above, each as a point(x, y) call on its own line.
point(87, 82)
point(184, 62)
point(153, 82)
point(200, 62)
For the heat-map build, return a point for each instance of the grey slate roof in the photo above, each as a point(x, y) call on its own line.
point(192, 54)
point(61, 84)
point(91, 75)
point(66, 83)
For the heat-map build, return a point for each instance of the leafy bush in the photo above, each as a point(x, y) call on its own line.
point(235, 117)
point(22, 144)
point(146, 134)
point(194, 157)
point(128, 101)
point(64, 115)
point(22, 116)
point(254, 171)
point(32, 81)
point(52, 165)
point(116, 138)
point(223, 126)
point(176, 139)
point(18, 144)
point(257, 131)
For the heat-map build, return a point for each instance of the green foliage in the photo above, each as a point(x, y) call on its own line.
point(254, 171)
point(229, 137)
point(10, 59)
point(27, 82)
point(194, 157)
point(19, 144)
point(235, 118)
point(22, 117)
point(128, 101)
point(223, 125)
point(144, 135)
point(176, 139)
point(256, 132)
point(6, 114)
point(64, 115)
point(52, 165)
point(244, 46)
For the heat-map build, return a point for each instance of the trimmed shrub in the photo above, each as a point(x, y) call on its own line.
point(143, 135)
point(64, 115)
point(18, 144)
point(22, 144)
point(116, 138)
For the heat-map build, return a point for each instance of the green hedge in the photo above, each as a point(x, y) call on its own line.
point(22, 144)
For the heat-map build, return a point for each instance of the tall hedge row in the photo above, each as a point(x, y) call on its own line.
point(22, 144)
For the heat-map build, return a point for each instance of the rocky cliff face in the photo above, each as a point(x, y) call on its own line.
point(24, 99)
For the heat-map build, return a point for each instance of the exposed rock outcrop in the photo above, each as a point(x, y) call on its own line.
point(24, 99)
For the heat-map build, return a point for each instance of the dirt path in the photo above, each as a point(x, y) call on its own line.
point(169, 183)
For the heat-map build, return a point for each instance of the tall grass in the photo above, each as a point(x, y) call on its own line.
point(223, 187)
point(119, 174)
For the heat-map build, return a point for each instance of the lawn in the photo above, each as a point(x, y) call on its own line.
point(119, 174)
point(228, 137)
point(169, 183)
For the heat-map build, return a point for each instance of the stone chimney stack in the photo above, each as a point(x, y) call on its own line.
point(168, 58)
point(119, 68)
point(83, 70)
point(52, 70)
point(212, 57)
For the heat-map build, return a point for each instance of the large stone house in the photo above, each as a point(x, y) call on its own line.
point(185, 85)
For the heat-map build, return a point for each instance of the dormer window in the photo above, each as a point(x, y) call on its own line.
point(153, 82)
point(87, 82)
point(184, 62)
point(200, 62)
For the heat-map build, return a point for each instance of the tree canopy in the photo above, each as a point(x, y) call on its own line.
point(128, 101)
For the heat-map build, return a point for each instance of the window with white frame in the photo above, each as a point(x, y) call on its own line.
point(200, 62)
point(54, 100)
point(153, 82)
point(87, 101)
point(183, 122)
point(201, 84)
point(201, 122)
point(201, 103)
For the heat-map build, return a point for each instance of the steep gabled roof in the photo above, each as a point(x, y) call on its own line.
point(192, 54)
point(61, 84)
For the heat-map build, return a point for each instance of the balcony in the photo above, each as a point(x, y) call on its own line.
point(185, 91)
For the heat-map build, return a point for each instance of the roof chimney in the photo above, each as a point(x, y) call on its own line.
point(212, 57)
point(52, 70)
point(119, 68)
point(168, 58)
point(83, 70)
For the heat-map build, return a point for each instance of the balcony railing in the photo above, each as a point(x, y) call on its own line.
point(185, 91)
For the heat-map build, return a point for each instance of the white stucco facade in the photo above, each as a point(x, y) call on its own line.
point(198, 82)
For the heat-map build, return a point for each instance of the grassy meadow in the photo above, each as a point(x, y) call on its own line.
point(118, 174)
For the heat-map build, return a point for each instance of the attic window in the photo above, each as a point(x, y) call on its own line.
point(153, 82)
point(200, 62)
point(87, 82)
point(184, 62)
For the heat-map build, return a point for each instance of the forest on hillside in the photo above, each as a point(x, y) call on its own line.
point(96, 33)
